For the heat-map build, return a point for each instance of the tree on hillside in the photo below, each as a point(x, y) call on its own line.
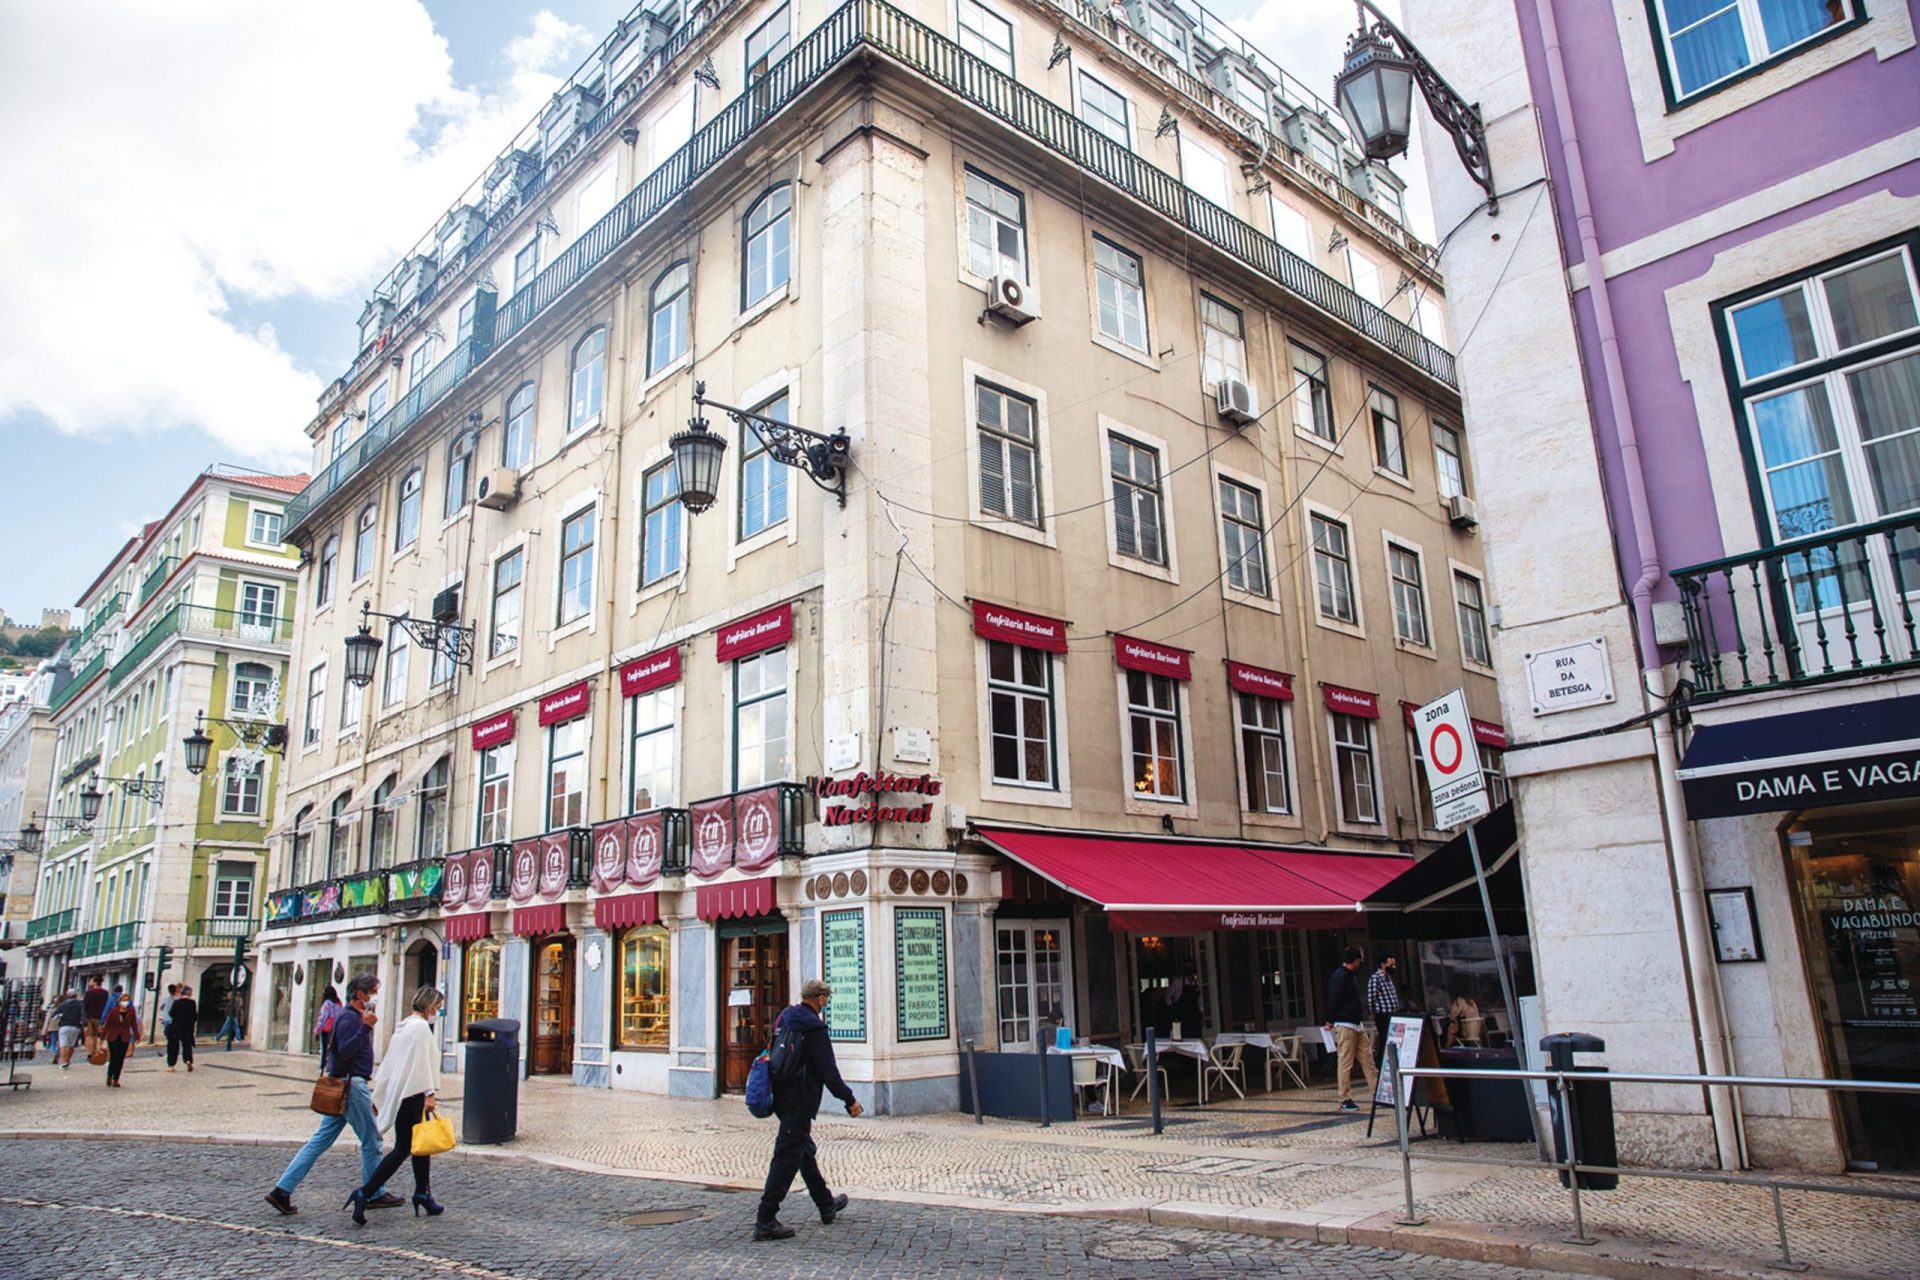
point(43, 643)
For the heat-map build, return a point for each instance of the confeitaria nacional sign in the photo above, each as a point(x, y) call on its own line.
point(870, 793)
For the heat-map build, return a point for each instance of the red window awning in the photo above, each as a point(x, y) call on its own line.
point(736, 900)
point(531, 922)
point(1173, 886)
point(467, 928)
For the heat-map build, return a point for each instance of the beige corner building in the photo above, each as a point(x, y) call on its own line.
point(1156, 517)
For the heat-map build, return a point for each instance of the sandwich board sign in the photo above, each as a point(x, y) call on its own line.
point(1452, 762)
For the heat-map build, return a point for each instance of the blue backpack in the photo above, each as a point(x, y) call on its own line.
point(760, 1087)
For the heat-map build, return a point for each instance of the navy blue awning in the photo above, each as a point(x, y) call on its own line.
point(1868, 750)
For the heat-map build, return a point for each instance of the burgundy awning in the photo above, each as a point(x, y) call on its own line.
point(467, 928)
point(531, 922)
point(736, 900)
point(626, 910)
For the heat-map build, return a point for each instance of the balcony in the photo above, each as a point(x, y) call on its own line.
point(856, 29)
point(206, 623)
point(53, 923)
point(747, 829)
point(213, 931)
point(1836, 606)
point(107, 941)
point(81, 679)
point(102, 617)
point(409, 887)
point(161, 571)
point(414, 886)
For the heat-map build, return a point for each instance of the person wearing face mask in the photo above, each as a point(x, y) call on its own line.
point(351, 1058)
point(403, 1096)
point(1383, 1002)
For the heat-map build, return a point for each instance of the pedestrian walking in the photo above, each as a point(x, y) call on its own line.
point(1383, 1002)
point(230, 1030)
point(796, 1101)
point(121, 1031)
point(403, 1095)
point(1347, 1020)
point(183, 1014)
point(95, 1005)
point(323, 1023)
point(351, 1059)
point(68, 1017)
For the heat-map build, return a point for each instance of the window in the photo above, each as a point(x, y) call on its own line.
point(1020, 715)
point(1153, 736)
point(1009, 454)
point(1167, 32)
point(1205, 172)
point(393, 689)
point(986, 35)
point(1707, 41)
point(337, 447)
point(1409, 595)
point(259, 610)
point(363, 538)
point(595, 198)
point(377, 403)
point(1263, 753)
point(263, 527)
point(1333, 571)
point(1293, 231)
point(667, 317)
point(1137, 516)
point(406, 521)
point(1422, 790)
point(1285, 986)
point(763, 480)
point(1448, 465)
point(996, 228)
point(1034, 980)
point(435, 805)
point(421, 362)
point(1389, 443)
point(576, 567)
point(1431, 319)
point(768, 43)
point(351, 702)
point(329, 568)
point(233, 891)
point(1469, 602)
point(760, 719)
point(661, 524)
point(671, 130)
point(516, 438)
point(508, 572)
point(382, 821)
point(1353, 768)
point(463, 323)
point(1106, 109)
point(459, 472)
point(1364, 273)
point(1243, 532)
point(645, 988)
point(316, 712)
point(768, 250)
point(240, 797)
point(1312, 394)
point(479, 982)
point(567, 774)
point(252, 683)
point(526, 264)
point(496, 795)
point(651, 752)
point(1224, 340)
point(1121, 292)
point(589, 381)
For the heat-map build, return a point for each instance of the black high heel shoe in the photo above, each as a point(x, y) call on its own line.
point(425, 1200)
point(358, 1203)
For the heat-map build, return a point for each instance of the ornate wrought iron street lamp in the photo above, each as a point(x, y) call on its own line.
point(262, 735)
point(698, 452)
point(27, 840)
point(146, 788)
point(443, 634)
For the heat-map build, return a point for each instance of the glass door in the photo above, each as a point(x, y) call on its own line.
point(1034, 980)
point(753, 992)
point(551, 1051)
point(1173, 983)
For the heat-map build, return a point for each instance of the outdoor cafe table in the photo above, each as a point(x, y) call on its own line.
point(1252, 1040)
point(1195, 1049)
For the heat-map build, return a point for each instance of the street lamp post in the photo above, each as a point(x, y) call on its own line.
point(268, 735)
point(697, 452)
point(443, 635)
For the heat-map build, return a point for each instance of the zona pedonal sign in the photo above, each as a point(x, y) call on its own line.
point(1452, 762)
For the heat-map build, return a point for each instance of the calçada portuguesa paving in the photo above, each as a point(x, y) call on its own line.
point(1284, 1165)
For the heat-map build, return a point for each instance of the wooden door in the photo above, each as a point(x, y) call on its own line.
point(756, 965)
point(550, 1052)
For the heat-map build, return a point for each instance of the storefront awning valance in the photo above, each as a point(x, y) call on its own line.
point(467, 928)
point(735, 900)
point(1190, 885)
point(626, 910)
point(1865, 751)
point(1438, 898)
point(548, 917)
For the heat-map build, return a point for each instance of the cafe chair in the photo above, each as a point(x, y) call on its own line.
point(1137, 1064)
point(1223, 1061)
point(1097, 1074)
point(1291, 1058)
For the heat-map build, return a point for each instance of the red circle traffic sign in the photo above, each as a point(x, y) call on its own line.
point(1433, 748)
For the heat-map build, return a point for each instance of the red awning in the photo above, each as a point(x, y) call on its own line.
point(1175, 885)
point(467, 928)
point(736, 900)
point(626, 910)
point(531, 922)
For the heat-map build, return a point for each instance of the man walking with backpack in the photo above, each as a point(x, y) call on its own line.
point(802, 1067)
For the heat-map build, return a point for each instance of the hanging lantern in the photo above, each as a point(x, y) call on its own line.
point(1375, 94)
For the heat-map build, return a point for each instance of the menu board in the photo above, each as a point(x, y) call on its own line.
point(920, 967)
point(843, 964)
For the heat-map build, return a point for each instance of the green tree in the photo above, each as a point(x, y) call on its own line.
point(43, 643)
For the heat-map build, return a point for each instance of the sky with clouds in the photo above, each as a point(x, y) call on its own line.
point(188, 241)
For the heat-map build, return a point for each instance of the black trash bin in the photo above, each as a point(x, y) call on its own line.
point(1592, 1110)
point(492, 1109)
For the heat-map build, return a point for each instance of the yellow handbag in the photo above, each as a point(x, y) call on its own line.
point(433, 1136)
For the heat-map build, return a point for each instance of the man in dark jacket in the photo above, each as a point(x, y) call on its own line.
point(1347, 1020)
point(796, 1102)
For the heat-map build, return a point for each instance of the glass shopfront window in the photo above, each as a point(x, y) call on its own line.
point(645, 990)
point(480, 983)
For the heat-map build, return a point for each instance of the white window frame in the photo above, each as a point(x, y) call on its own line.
point(1753, 31)
point(237, 707)
point(671, 515)
point(1290, 814)
point(1170, 571)
point(1372, 750)
point(1300, 389)
point(396, 663)
point(973, 375)
point(1212, 166)
point(313, 729)
point(677, 307)
point(229, 774)
point(1288, 222)
point(1213, 367)
point(594, 198)
point(1449, 481)
point(1142, 354)
point(783, 658)
point(588, 618)
point(1270, 602)
point(1092, 116)
point(975, 37)
point(785, 382)
point(774, 476)
point(506, 426)
point(255, 512)
point(526, 264)
point(1187, 804)
point(1357, 627)
point(1377, 441)
point(1021, 692)
point(667, 697)
point(581, 767)
point(1022, 269)
point(1389, 543)
point(327, 571)
point(403, 541)
point(1060, 796)
point(595, 370)
point(1363, 274)
point(1455, 572)
point(488, 785)
point(495, 654)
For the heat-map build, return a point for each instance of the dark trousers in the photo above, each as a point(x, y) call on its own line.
point(179, 1044)
point(116, 1057)
point(411, 1110)
point(793, 1152)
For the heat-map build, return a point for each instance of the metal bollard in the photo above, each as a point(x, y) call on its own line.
point(1412, 1218)
point(1579, 1235)
point(973, 1080)
point(1153, 1080)
point(1046, 1112)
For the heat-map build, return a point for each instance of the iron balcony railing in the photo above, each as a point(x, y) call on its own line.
point(157, 575)
point(211, 929)
point(106, 941)
point(415, 885)
point(206, 622)
point(1836, 606)
point(857, 26)
point(81, 679)
point(52, 923)
point(101, 617)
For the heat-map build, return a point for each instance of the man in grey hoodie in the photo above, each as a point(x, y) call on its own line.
point(796, 1101)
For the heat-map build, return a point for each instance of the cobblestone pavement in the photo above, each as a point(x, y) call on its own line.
point(176, 1211)
point(1289, 1156)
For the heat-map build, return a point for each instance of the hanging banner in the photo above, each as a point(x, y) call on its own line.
point(556, 851)
point(609, 855)
point(749, 636)
point(843, 966)
point(655, 671)
point(480, 874)
point(712, 837)
point(756, 828)
point(524, 871)
point(646, 845)
point(453, 883)
point(1258, 680)
point(1158, 659)
point(1351, 702)
point(1029, 630)
point(494, 731)
point(565, 704)
point(920, 972)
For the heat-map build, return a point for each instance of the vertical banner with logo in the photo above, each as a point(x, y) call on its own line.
point(609, 855)
point(843, 965)
point(756, 828)
point(480, 875)
point(920, 971)
point(712, 837)
point(556, 850)
point(453, 884)
point(646, 845)
point(524, 870)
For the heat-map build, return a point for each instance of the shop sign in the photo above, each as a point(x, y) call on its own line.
point(712, 836)
point(455, 881)
point(565, 704)
point(494, 731)
point(609, 855)
point(1351, 702)
point(555, 849)
point(1489, 734)
point(1874, 932)
point(655, 671)
point(843, 966)
point(867, 789)
point(1029, 630)
point(525, 872)
point(1156, 659)
point(480, 876)
point(1771, 785)
point(646, 845)
point(920, 971)
point(750, 635)
point(1260, 681)
point(756, 828)
point(1569, 677)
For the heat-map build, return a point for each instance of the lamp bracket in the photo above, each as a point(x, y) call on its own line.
point(146, 788)
point(823, 458)
point(266, 735)
point(1460, 118)
point(452, 639)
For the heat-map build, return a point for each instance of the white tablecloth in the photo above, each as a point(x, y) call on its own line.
point(1252, 1039)
point(1106, 1053)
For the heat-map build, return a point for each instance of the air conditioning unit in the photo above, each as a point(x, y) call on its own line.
point(1007, 298)
point(1462, 512)
point(499, 489)
point(1234, 399)
point(446, 606)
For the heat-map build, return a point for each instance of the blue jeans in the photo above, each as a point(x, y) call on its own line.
point(360, 1116)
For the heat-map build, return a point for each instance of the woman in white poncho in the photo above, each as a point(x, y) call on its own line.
point(403, 1094)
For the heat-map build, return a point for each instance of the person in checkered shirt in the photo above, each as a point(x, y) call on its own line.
point(1383, 1001)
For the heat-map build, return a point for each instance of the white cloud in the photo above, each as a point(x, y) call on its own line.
point(167, 160)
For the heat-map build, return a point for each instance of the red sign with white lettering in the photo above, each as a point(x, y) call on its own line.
point(565, 704)
point(524, 869)
point(750, 635)
point(494, 731)
point(655, 671)
point(1258, 680)
point(1160, 659)
point(712, 849)
point(646, 846)
point(1351, 702)
point(555, 852)
point(1489, 734)
point(1030, 630)
point(609, 855)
